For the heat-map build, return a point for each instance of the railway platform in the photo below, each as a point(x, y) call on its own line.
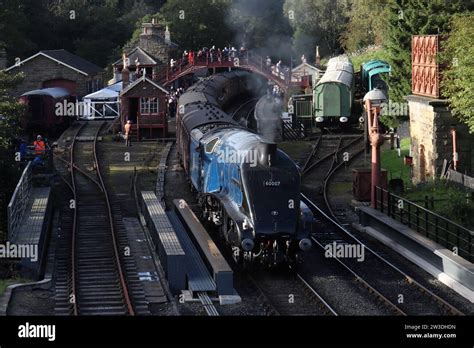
point(29, 223)
point(449, 268)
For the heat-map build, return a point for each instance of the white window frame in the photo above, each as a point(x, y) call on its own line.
point(149, 106)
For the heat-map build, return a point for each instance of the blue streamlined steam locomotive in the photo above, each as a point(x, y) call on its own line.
point(245, 185)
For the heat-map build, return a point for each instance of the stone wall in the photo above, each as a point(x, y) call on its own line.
point(41, 69)
point(156, 46)
point(431, 123)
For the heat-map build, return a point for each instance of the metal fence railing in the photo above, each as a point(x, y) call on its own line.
point(291, 131)
point(19, 201)
point(435, 227)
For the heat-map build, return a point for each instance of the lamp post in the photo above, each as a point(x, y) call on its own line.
point(373, 101)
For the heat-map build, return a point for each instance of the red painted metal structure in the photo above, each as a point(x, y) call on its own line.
point(248, 61)
point(372, 103)
point(425, 66)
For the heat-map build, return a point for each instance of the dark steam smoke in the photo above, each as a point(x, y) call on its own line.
point(261, 25)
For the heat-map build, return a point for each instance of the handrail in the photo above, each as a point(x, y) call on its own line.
point(17, 205)
point(434, 226)
point(249, 60)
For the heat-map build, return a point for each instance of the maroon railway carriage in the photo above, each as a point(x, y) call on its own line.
point(42, 114)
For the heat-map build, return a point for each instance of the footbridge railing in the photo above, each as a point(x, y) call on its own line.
point(247, 61)
point(19, 201)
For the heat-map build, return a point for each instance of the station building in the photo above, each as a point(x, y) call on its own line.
point(57, 69)
point(52, 77)
point(143, 99)
point(306, 74)
point(145, 104)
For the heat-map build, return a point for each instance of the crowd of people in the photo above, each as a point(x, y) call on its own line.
point(214, 54)
point(211, 55)
point(173, 100)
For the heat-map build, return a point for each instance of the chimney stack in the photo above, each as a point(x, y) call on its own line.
point(318, 57)
point(125, 73)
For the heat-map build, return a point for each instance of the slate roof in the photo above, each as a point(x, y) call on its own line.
point(74, 61)
point(144, 57)
point(67, 59)
point(140, 80)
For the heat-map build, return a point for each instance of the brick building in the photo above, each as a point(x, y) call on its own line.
point(143, 100)
point(144, 103)
point(57, 68)
point(153, 53)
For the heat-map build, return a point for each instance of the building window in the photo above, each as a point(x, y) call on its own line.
point(148, 106)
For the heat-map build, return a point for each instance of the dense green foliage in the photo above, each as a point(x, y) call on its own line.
point(407, 18)
point(317, 22)
point(10, 113)
point(366, 24)
point(92, 29)
point(360, 57)
point(458, 79)
point(195, 24)
point(10, 110)
point(284, 29)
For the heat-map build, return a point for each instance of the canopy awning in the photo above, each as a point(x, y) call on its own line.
point(55, 92)
point(110, 92)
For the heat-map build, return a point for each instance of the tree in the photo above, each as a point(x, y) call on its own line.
point(195, 24)
point(407, 18)
point(366, 24)
point(322, 20)
point(134, 41)
point(22, 24)
point(10, 114)
point(458, 79)
point(91, 29)
point(10, 110)
point(261, 25)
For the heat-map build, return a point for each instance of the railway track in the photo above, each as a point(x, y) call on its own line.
point(288, 294)
point(398, 291)
point(328, 150)
point(92, 280)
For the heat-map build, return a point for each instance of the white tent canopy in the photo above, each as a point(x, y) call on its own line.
point(110, 92)
point(104, 103)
